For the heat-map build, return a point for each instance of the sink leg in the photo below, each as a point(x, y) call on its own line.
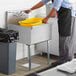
point(29, 57)
point(48, 54)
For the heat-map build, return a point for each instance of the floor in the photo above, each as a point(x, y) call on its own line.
point(42, 60)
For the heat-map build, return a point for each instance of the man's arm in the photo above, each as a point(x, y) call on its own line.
point(52, 13)
point(56, 7)
point(38, 5)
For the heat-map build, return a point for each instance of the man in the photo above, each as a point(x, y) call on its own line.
point(63, 8)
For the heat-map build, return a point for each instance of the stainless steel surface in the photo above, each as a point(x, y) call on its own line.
point(36, 34)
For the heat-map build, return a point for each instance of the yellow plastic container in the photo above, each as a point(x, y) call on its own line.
point(31, 22)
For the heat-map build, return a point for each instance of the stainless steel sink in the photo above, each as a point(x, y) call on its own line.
point(33, 35)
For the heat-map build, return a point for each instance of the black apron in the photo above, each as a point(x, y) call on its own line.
point(64, 21)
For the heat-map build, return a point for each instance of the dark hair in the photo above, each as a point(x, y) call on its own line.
point(52, 1)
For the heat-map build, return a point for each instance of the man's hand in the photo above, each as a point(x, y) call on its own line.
point(45, 20)
point(27, 11)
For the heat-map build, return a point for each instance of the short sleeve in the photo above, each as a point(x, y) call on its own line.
point(57, 4)
point(45, 1)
